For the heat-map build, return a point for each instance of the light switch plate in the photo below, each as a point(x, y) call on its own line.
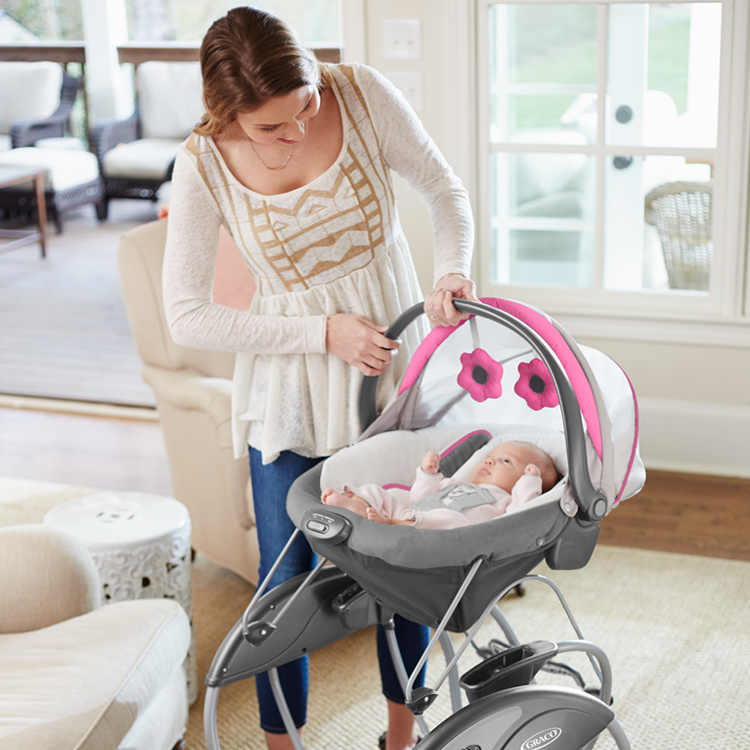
point(402, 39)
point(409, 83)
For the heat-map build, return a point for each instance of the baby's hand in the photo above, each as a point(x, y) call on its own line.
point(532, 469)
point(431, 463)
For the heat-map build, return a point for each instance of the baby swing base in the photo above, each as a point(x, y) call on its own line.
point(505, 711)
point(514, 667)
point(325, 610)
point(523, 718)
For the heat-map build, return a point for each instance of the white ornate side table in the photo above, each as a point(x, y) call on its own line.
point(141, 546)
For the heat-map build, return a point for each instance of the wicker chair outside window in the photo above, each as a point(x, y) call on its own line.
point(24, 95)
point(136, 155)
point(681, 213)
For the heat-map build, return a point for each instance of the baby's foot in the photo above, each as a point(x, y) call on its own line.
point(375, 515)
point(348, 501)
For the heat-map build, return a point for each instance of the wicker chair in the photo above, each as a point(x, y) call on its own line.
point(22, 123)
point(681, 213)
point(28, 132)
point(136, 155)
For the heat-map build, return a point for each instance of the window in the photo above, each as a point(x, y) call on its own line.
point(609, 138)
point(23, 21)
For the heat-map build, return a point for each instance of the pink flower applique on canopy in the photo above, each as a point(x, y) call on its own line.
point(535, 385)
point(480, 375)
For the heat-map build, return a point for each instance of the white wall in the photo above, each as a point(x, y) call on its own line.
point(432, 66)
point(694, 396)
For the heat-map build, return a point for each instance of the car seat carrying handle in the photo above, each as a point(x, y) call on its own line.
point(592, 505)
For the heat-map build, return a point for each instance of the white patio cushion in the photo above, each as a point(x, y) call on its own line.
point(170, 98)
point(4, 142)
point(28, 91)
point(542, 174)
point(146, 157)
point(64, 168)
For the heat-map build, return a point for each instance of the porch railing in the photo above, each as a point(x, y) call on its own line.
point(67, 53)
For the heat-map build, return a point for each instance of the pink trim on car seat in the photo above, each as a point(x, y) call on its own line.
point(548, 332)
point(424, 351)
point(635, 439)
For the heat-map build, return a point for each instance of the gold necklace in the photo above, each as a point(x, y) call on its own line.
point(262, 161)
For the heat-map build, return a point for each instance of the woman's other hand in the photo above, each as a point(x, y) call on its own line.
point(438, 304)
point(360, 342)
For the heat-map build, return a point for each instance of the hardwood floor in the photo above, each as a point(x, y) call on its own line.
point(695, 514)
point(687, 513)
point(91, 451)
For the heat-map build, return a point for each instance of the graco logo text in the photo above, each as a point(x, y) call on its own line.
point(542, 739)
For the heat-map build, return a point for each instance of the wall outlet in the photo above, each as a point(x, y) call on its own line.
point(402, 39)
point(409, 83)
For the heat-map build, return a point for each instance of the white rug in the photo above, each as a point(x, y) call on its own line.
point(26, 501)
point(675, 627)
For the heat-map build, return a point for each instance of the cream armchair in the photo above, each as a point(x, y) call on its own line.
point(77, 676)
point(193, 397)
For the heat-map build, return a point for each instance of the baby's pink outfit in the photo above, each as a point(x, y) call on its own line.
point(500, 502)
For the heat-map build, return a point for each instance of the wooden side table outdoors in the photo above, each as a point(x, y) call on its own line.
point(10, 176)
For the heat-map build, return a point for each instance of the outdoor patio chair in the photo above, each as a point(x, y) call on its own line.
point(136, 155)
point(36, 99)
point(71, 179)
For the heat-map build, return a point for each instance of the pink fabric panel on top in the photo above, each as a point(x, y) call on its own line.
point(424, 351)
point(542, 325)
point(548, 332)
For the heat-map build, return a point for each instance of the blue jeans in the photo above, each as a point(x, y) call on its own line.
point(271, 484)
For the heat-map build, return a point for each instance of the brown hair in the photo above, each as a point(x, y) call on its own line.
point(248, 57)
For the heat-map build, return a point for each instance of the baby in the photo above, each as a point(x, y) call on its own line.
point(510, 475)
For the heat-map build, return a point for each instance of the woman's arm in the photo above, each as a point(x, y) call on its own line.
point(409, 150)
point(189, 263)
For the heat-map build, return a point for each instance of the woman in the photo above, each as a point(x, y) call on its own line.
point(294, 159)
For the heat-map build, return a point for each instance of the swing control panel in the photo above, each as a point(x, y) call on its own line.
point(326, 526)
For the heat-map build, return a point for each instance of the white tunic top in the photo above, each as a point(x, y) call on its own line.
point(332, 246)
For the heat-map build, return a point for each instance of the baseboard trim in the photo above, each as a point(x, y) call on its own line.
point(695, 438)
point(88, 408)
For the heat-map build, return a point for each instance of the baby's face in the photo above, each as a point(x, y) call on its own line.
point(503, 466)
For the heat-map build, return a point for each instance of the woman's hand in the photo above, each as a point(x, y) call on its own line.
point(438, 304)
point(360, 342)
